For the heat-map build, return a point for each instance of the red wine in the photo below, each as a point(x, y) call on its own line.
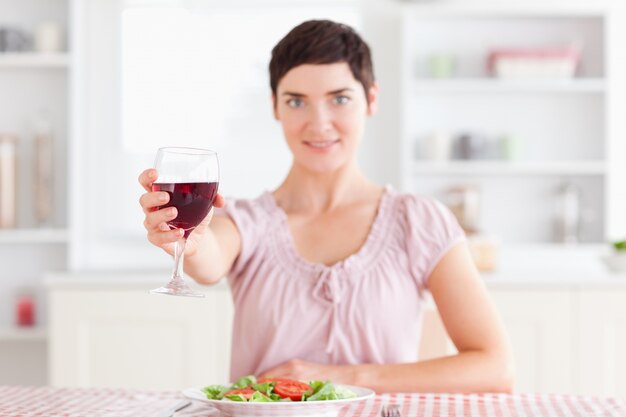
point(193, 200)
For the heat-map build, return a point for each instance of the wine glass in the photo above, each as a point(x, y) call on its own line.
point(190, 176)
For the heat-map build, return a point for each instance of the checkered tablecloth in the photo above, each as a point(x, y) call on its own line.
point(91, 402)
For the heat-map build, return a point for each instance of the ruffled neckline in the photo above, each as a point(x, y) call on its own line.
point(361, 259)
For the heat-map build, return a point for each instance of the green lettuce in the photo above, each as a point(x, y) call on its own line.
point(244, 381)
point(326, 390)
point(321, 391)
point(215, 392)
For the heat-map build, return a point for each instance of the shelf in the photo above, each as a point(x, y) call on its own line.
point(494, 85)
point(18, 334)
point(33, 236)
point(509, 168)
point(34, 60)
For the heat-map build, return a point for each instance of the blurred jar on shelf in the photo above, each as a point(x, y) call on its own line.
point(464, 202)
point(485, 251)
point(567, 219)
point(509, 147)
point(48, 37)
point(471, 145)
point(14, 40)
point(441, 65)
point(8, 178)
point(436, 147)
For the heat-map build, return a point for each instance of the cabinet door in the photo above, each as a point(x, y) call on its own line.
point(539, 325)
point(131, 339)
point(603, 342)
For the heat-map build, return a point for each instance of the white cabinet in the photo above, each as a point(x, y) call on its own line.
point(602, 342)
point(557, 131)
point(541, 329)
point(105, 332)
point(566, 338)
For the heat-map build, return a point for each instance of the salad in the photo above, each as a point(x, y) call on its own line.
point(249, 389)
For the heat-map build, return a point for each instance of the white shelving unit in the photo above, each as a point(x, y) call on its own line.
point(562, 126)
point(33, 86)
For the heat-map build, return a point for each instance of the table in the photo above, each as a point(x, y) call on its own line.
point(92, 402)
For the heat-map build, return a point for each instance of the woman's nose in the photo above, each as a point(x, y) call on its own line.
point(320, 118)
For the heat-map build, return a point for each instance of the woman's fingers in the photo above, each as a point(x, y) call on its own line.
point(147, 177)
point(155, 218)
point(220, 201)
point(161, 238)
point(149, 201)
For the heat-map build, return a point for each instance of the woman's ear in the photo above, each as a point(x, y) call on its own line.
point(372, 99)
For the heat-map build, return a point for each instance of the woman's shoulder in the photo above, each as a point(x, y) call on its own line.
point(260, 205)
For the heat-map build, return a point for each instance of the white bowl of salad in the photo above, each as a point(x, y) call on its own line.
point(276, 397)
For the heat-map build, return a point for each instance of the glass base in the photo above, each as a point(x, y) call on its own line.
point(177, 287)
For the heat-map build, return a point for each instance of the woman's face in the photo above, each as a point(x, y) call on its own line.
point(322, 109)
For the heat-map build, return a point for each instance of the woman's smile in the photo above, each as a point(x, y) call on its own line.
point(322, 146)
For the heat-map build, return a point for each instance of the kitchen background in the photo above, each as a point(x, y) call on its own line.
point(508, 111)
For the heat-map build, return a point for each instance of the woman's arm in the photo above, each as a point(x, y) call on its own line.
point(484, 362)
point(215, 253)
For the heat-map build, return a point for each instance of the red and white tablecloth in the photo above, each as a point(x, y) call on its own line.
point(91, 402)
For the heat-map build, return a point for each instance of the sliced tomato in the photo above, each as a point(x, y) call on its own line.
point(290, 388)
point(270, 379)
point(245, 392)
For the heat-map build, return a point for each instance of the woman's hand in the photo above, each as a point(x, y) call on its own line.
point(159, 233)
point(307, 371)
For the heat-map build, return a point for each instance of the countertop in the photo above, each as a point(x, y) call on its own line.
point(533, 265)
point(553, 265)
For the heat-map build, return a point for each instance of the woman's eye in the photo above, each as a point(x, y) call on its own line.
point(295, 103)
point(342, 100)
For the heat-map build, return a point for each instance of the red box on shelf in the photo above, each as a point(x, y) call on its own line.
point(533, 63)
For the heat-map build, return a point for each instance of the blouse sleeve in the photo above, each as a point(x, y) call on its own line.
point(249, 222)
point(432, 230)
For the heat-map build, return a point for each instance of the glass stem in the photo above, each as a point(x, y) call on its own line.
point(179, 258)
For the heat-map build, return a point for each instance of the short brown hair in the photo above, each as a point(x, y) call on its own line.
point(322, 42)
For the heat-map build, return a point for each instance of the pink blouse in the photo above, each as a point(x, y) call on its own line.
point(364, 309)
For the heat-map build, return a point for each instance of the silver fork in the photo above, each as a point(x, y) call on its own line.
point(392, 410)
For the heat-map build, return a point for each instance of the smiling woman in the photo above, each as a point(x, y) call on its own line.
point(330, 271)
